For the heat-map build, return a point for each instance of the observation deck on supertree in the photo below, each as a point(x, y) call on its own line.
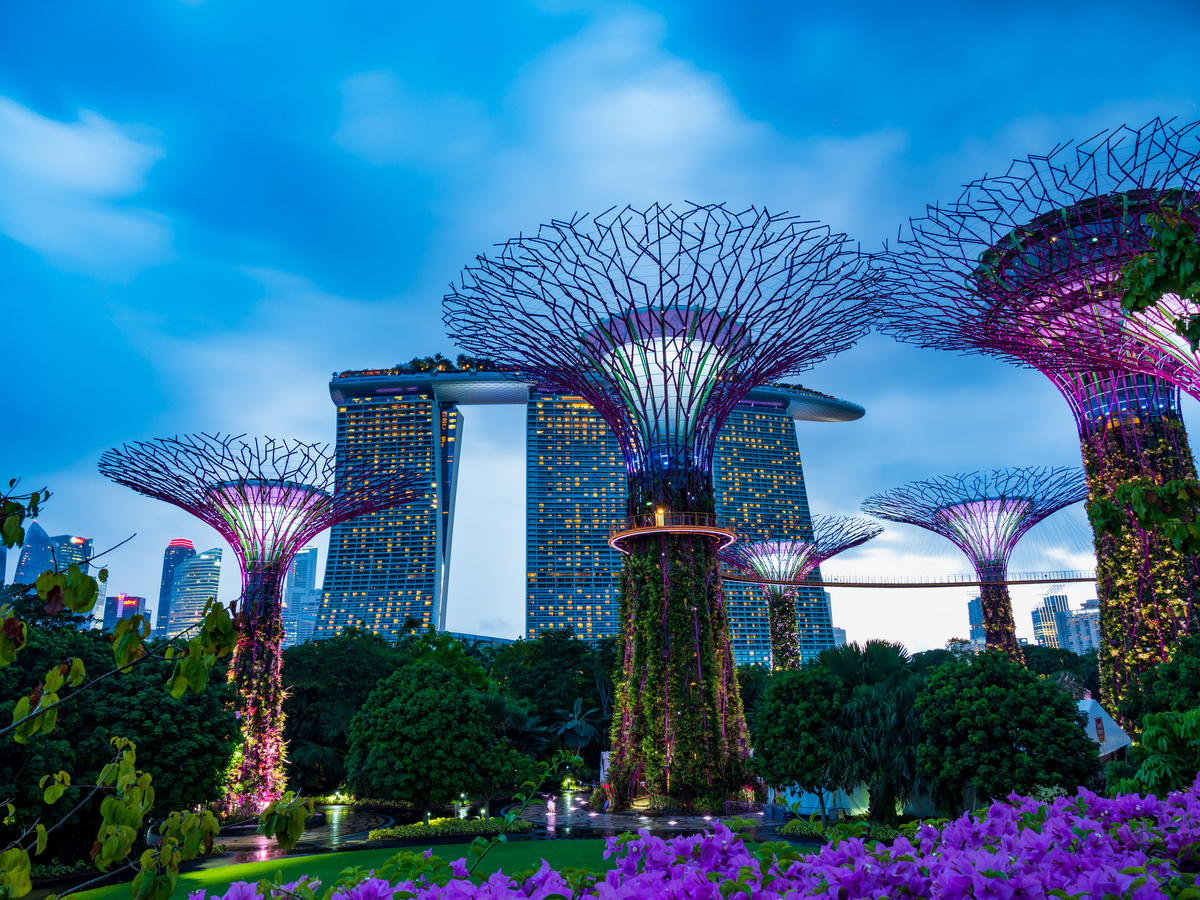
point(663, 321)
point(267, 498)
point(1026, 267)
point(984, 514)
point(781, 565)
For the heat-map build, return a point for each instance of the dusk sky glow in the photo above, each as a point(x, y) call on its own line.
point(207, 207)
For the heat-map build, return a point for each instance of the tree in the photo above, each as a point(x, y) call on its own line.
point(549, 672)
point(875, 732)
point(421, 736)
point(792, 747)
point(502, 773)
point(577, 726)
point(327, 682)
point(1083, 668)
point(992, 727)
point(753, 680)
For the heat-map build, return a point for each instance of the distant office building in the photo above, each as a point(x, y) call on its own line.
point(70, 548)
point(37, 555)
point(975, 617)
point(1049, 619)
point(839, 636)
point(301, 600)
point(1081, 630)
point(195, 583)
point(123, 606)
point(177, 551)
point(388, 566)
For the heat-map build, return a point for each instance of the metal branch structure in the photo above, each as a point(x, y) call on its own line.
point(1026, 267)
point(984, 514)
point(782, 565)
point(267, 498)
point(663, 321)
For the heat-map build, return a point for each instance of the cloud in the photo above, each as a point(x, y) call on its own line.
point(61, 187)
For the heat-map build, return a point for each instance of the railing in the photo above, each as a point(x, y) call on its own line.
point(667, 520)
point(915, 581)
point(742, 808)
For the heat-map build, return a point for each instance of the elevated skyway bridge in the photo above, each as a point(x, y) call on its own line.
point(917, 581)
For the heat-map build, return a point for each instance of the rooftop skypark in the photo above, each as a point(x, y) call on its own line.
point(664, 321)
point(1024, 266)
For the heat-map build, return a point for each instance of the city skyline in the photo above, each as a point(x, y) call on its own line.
point(231, 303)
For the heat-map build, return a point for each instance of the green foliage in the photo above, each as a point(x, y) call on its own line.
point(792, 746)
point(1168, 508)
point(422, 735)
point(876, 732)
point(1173, 686)
point(1170, 266)
point(838, 831)
point(549, 672)
point(753, 681)
point(577, 726)
point(449, 826)
point(327, 682)
point(1167, 756)
point(284, 819)
point(992, 727)
point(927, 660)
point(1081, 670)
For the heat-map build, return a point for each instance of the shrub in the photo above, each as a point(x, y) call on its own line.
point(449, 826)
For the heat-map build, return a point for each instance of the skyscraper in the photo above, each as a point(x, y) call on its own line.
point(383, 568)
point(1049, 619)
point(177, 551)
point(37, 555)
point(978, 634)
point(123, 606)
point(1081, 630)
point(70, 548)
point(195, 583)
point(300, 598)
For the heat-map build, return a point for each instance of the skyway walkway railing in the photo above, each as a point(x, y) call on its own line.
point(919, 581)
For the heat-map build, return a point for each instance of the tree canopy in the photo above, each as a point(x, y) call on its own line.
point(991, 727)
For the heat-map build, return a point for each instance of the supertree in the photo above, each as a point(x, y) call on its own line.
point(781, 565)
point(663, 321)
point(984, 514)
point(1026, 267)
point(267, 498)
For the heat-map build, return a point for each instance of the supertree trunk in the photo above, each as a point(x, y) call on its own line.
point(1146, 587)
point(678, 726)
point(785, 638)
point(999, 628)
point(257, 671)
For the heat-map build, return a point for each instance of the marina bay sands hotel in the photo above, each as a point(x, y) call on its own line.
point(385, 567)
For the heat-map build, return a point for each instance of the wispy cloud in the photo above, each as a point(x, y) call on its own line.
point(62, 185)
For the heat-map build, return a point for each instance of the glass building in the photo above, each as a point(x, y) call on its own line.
point(195, 583)
point(123, 606)
point(386, 567)
point(1049, 619)
point(301, 599)
point(177, 551)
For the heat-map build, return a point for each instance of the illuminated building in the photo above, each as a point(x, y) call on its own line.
point(177, 551)
point(193, 584)
point(575, 489)
point(123, 606)
point(37, 555)
point(301, 599)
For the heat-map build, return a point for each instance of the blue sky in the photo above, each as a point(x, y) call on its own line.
point(205, 208)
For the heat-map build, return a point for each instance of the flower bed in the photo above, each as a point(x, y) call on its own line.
point(1080, 847)
point(448, 826)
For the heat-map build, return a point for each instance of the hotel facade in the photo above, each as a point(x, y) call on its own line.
point(390, 568)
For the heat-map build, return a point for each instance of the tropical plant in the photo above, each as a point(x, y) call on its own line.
point(576, 726)
point(1167, 756)
point(991, 727)
point(876, 732)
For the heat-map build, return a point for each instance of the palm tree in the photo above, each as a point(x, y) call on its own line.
point(577, 726)
point(875, 736)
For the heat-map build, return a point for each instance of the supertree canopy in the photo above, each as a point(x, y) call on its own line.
point(663, 321)
point(1026, 266)
point(984, 514)
point(267, 498)
point(781, 565)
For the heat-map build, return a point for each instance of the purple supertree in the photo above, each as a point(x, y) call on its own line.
point(663, 321)
point(267, 498)
point(984, 514)
point(1026, 267)
point(781, 565)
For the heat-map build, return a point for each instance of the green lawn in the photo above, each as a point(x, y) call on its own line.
point(511, 857)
